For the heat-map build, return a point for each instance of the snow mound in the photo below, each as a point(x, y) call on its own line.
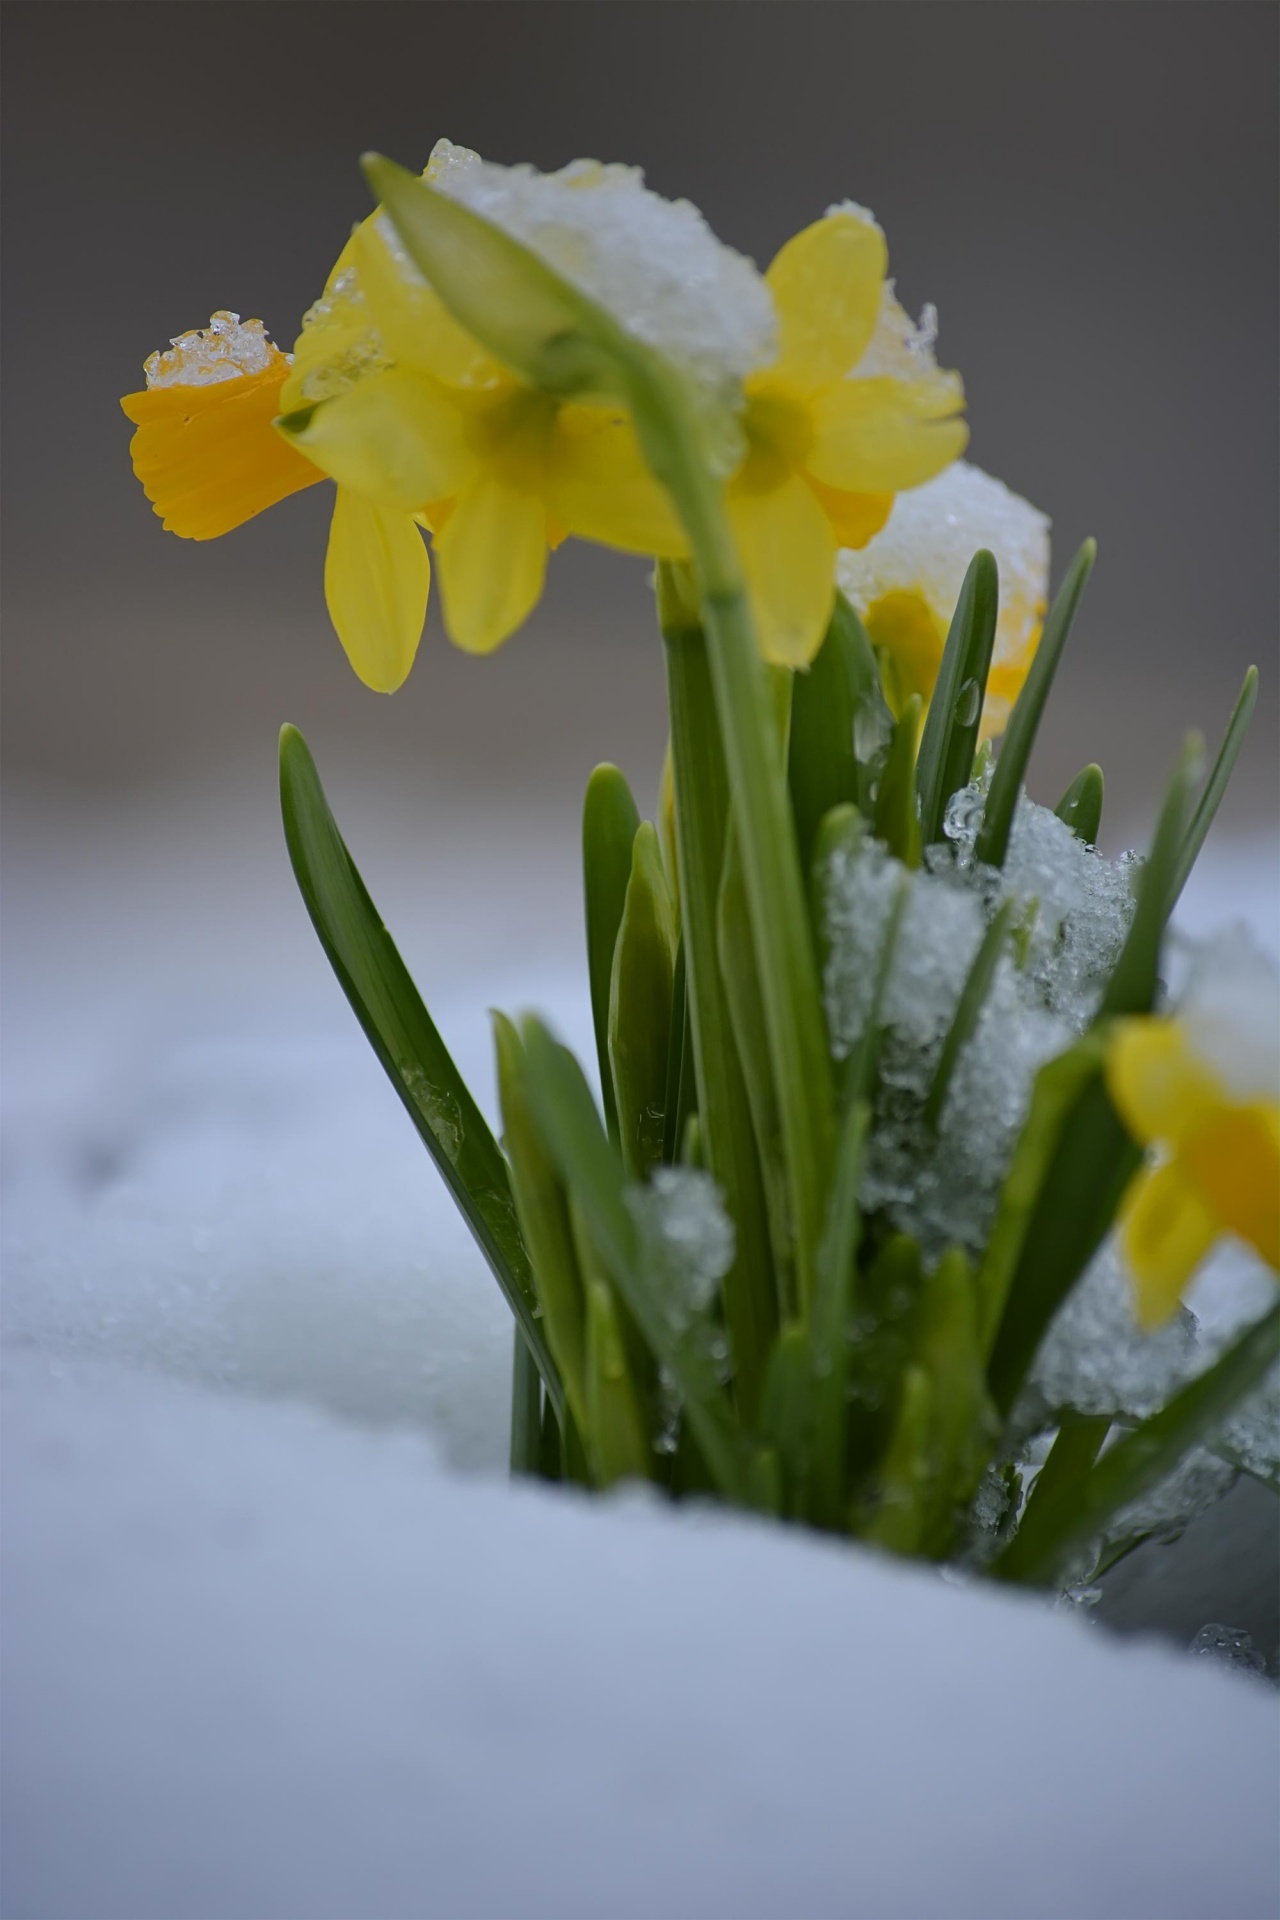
point(261, 1664)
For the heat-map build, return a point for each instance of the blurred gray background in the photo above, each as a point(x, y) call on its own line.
point(1087, 192)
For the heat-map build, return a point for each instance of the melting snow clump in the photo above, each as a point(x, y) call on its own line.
point(687, 1234)
point(933, 532)
point(227, 349)
point(1097, 1359)
point(1228, 1647)
point(653, 263)
point(1072, 912)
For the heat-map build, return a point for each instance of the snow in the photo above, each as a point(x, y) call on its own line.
point(261, 1664)
point(226, 349)
point(281, 1641)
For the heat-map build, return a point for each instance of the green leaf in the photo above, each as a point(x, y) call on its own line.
point(1093, 1161)
point(616, 1427)
point(526, 1408)
point(1077, 1445)
point(872, 718)
point(542, 1205)
point(571, 1128)
point(610, 822)
point(1024, 722)
point(897, 812)
point(726, 1139)
point(640, 1006)
point(831, 1326)
point(972, 999)
point(888, 1294)
point(1075, 1513)
point(746, 1009)
point(895, 1517)
point(681, 1094)
point(1081, 805)
point(785, 1412)
point(1216, 785)
point(821, 769)
point(1058, 1087)
point(962, 1424)
point(1132, 986)
point(404, 1037)
point(950, 736)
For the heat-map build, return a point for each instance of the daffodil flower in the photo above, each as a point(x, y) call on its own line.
point(1203, 1089)
point(906, 581)
point(852, 411)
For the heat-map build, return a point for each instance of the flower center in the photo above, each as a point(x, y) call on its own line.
point(779, 434)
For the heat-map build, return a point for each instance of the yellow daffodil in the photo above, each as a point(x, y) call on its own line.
point(905, 583)
point(1203, 1088)
point(851, 412)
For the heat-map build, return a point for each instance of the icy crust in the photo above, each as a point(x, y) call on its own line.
point(1096, 1359)
point(934, 531)
point(227, 349)
point(900, 348)
point(357, 348)
point(687, 1238)
point(1072, 911)
point(654, 264)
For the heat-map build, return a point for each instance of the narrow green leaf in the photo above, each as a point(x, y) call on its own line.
point(831, 1326)
point(872, 718)
point(679, 1097)
point(887, 1298)
point(895, 1517)
point(1075, 1448)
point(897, 811)
point(723, 1129)
point(1058, 1087)
point(640, 1006)
point(950, 735)
point(1081, 805)
point(542, 1205)
point(616, 1431)
point(526, 1407)
point(972, 999)
point(962, 1425)
point(1078, 1512)
point(1216, 785)
point(1024, 722)
point(821, 769)
point(785, 1411)
point(1092, 1162)
point(404, 1037)
point(571, 1127)
point(610, 822)
point(746, 1010)
point(1132, 986)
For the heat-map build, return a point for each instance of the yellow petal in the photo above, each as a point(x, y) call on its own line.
point(883, 435)
point(826, 286)
point(1166, 1232)
point(855, 518)
point(1160, 1088)
point(209, 458)
point(338, 341)
point(788, 555)
point(602, 490)
point(376, 580)
point(492, 555)
point(903, 624)
point(397, 437)
point(1233, 1156)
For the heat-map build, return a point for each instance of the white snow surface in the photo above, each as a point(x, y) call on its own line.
point(270, 1655)
point(261, 1665)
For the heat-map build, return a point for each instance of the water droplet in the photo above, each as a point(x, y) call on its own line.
point(968, 701)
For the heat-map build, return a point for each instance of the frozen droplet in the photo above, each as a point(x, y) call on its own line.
point(226, 349)
point(872, 731)
point(968, 701)
point(1229, 1646)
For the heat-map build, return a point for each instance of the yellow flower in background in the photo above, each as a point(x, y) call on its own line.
point(905, 583)
point(205, 449)
point(1203, 1087)
point(851, 412)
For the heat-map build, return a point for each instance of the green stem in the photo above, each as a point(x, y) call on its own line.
point(757, 779)
point(702, 823)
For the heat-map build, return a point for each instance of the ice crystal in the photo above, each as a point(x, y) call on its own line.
point(227, 349)
point(899, 348)
point(1096, 1359)
point(654, 264)
point(1251, 1438)
point(1228, 1647)
point(687, 1235)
